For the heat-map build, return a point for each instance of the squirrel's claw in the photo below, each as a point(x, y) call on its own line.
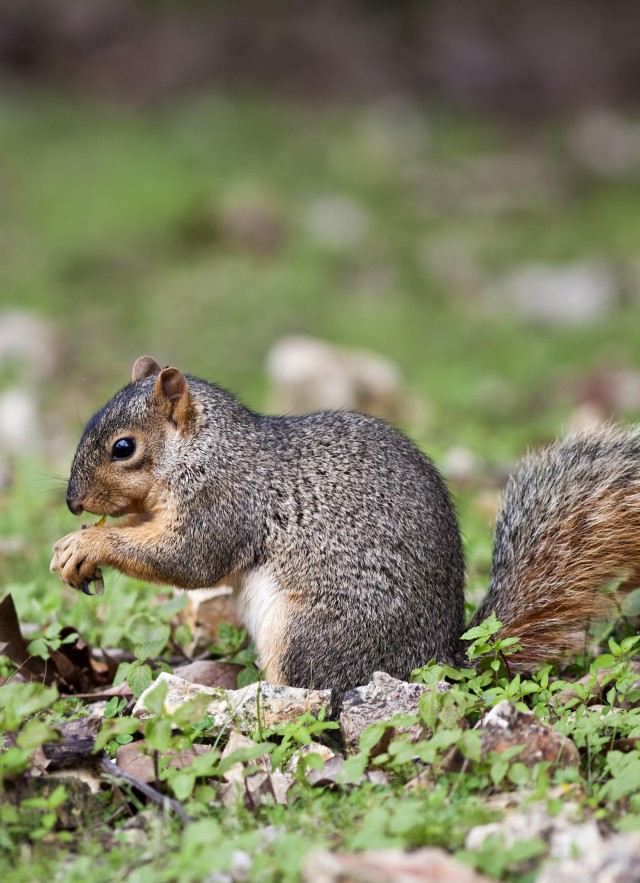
point(75, 567)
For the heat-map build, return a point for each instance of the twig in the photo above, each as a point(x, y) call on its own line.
point(96, 697)
point(150, 793)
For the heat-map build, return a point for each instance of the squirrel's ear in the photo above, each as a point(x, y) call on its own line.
point(143, 367)
point(172, 392)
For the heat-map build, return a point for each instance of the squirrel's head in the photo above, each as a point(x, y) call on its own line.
point(115, 468)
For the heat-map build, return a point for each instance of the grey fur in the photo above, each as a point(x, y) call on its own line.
point(343, 509)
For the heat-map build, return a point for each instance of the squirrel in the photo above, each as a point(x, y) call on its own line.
point(338, 535)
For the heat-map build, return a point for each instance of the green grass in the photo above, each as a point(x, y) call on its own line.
point(110, 227)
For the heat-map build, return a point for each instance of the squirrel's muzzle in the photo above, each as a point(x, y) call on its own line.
point(75, 507)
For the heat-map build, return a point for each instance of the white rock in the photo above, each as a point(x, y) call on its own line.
point(572, 295)
point(308, 375)
point(19, 422)
point(460, 464)
point(565, 834)
point(27, 340)
point(377, 701)
point(615, 860)
point(257, 704)
point(606, 143)
point(337, 221)
point(426, 865)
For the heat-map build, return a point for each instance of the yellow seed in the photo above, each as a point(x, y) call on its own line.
point(101, 521)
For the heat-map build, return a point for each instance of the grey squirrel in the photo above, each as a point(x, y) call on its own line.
point(338, 535)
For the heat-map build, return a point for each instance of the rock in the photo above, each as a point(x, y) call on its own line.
point(250, 222)
point(309, 375)
point(328, 776)
point(30, 343)
point(565, 832)
point(615, 860)
point(460, 465)
point(323, 751)
point(454, 256)
point(14, 545)
point(241, 865)
point(83, 786)
point(29, 355)
point(377, 702)
point(264, 784)
point(133, 759)
point(606, 143)
point(609, 390)
point(204, 612)
point(587, 417)
point(505, 727)
point(209, 673)
point(20, 428)
point(387, 866)
point(591, 688)
point(278, 703)
point(565, 295)
point(337, 222)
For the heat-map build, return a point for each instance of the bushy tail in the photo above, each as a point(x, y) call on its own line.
point(568, 529)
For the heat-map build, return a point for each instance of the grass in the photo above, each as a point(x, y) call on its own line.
point(114, 225)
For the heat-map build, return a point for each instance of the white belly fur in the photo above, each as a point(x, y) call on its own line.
point(261, 605)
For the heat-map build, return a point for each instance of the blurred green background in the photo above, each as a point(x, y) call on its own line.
point(199, 181)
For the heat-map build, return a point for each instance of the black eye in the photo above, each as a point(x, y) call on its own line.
point(123, 448)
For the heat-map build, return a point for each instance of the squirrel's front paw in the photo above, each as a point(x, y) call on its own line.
point(75, 559)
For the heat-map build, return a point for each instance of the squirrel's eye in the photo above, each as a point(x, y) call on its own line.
point(123, 448)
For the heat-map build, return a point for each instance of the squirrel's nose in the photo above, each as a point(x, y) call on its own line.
point(74, 506)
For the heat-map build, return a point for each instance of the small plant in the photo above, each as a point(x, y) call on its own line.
point(50, 639)
point(492, 652)
point(232, 647)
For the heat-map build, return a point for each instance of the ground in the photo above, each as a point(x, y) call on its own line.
point(204, 230)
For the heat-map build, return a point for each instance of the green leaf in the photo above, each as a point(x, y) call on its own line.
point(39, 647)
point(157, 733)
point(148, 635)
point(182, 784)
point(13, 760)
point(35, 733)
point(626, 775)
point(470, 744)
point(248, 675)
point(244, 755)
point(114, 706)
point(606, 660)
point(191, 713)
point(182, 634)
point(114, 727)
point(519, 774)
point(20, 701)
point(372, 735)
point(152, 648)
point(154, 700)
point(139, 678)
point(122, 672)
point(353, 769)
point(488, 627)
